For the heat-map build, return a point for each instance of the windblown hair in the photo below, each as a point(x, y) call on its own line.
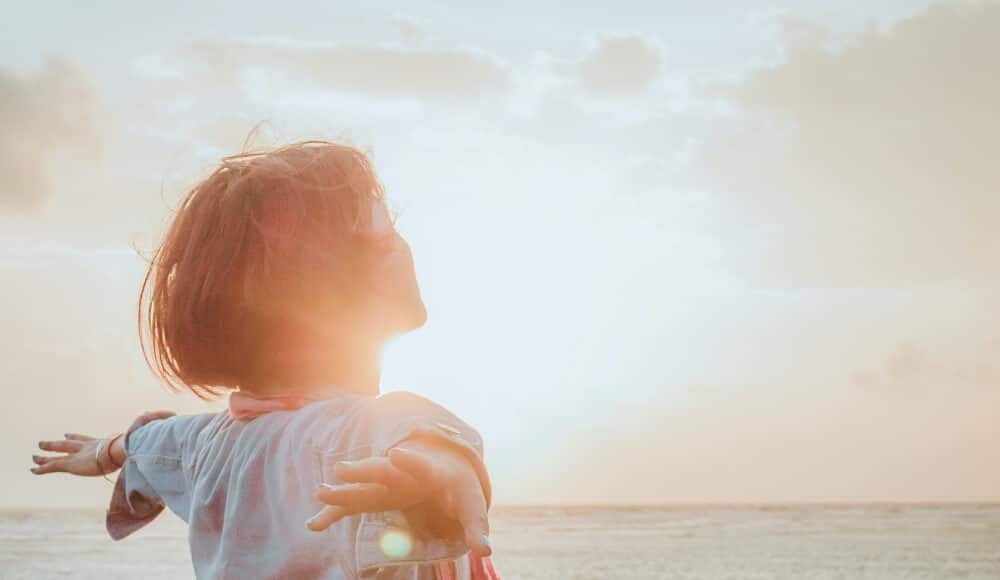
point(258, 259)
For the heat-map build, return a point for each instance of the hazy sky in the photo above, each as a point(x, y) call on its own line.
point(671, 251)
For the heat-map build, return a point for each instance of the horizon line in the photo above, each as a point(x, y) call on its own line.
point(642, 505)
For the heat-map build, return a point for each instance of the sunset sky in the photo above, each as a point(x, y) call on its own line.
point(671, 251)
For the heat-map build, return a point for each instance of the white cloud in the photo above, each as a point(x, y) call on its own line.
point(873, 163)
point(910, 368)
point(46, 115)
point(411, 30)
point(620, 64)
point(377, 70)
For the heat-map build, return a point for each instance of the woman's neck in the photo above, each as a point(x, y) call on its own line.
point(361, 374)
point(356, 369)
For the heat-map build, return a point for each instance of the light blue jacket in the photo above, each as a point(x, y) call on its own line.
point(246, 488)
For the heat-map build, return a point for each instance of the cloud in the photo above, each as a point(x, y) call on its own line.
point(620, 65)
point(874, 163)
point(908, 367)
point(911, 368)
point(44, 114)
point(410, 30)
point(376, 70)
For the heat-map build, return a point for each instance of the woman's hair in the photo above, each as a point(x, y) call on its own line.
point(256, 263)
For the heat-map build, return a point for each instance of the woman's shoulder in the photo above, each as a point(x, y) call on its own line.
point(359, 411)
point(401, 415)
point(405, 402)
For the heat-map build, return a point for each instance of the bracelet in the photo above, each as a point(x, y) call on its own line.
point(111, 457)
point(97, 455)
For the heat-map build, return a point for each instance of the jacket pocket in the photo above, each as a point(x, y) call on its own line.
point(389, 541)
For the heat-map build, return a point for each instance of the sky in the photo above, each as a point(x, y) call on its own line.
point(706, 252)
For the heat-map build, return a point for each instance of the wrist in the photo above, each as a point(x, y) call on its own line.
point(116, 451)
point(110, 454)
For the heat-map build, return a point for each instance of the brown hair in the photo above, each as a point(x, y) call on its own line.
point(256, 262)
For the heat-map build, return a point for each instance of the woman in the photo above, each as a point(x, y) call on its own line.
point(279, 280)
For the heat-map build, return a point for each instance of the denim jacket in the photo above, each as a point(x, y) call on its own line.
point(246, 488)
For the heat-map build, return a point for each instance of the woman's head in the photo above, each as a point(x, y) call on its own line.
point(276, 261)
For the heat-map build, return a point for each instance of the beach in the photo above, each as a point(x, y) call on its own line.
point(878, 542)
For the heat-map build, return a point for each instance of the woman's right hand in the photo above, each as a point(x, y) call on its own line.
point(79, 457)
point(415, 473)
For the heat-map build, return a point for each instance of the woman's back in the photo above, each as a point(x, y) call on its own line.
point(246, 487)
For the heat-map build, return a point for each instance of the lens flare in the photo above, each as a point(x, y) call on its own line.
point(396, 544)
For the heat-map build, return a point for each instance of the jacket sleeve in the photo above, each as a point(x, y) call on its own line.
point(153, 476)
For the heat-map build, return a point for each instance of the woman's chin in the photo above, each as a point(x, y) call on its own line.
point(418, 317)
point(408, 320)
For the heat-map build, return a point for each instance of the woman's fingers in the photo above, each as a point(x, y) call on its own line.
point(326, 517)
point(78, 437)
point(64, 446)
point(370, 470)
point(418, 465)
point(356, 498)
point(51, 465)
point(373, 470)
point(70, 445)
point(43, 459)
point(470, 506)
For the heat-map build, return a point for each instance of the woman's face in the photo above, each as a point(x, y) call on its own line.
point(398, 305)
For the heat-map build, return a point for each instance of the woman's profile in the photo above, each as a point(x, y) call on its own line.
point(278, 281)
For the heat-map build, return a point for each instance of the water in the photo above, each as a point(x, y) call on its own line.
point(813, 542)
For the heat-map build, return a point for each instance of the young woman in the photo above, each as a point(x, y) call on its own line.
point(278, 281)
